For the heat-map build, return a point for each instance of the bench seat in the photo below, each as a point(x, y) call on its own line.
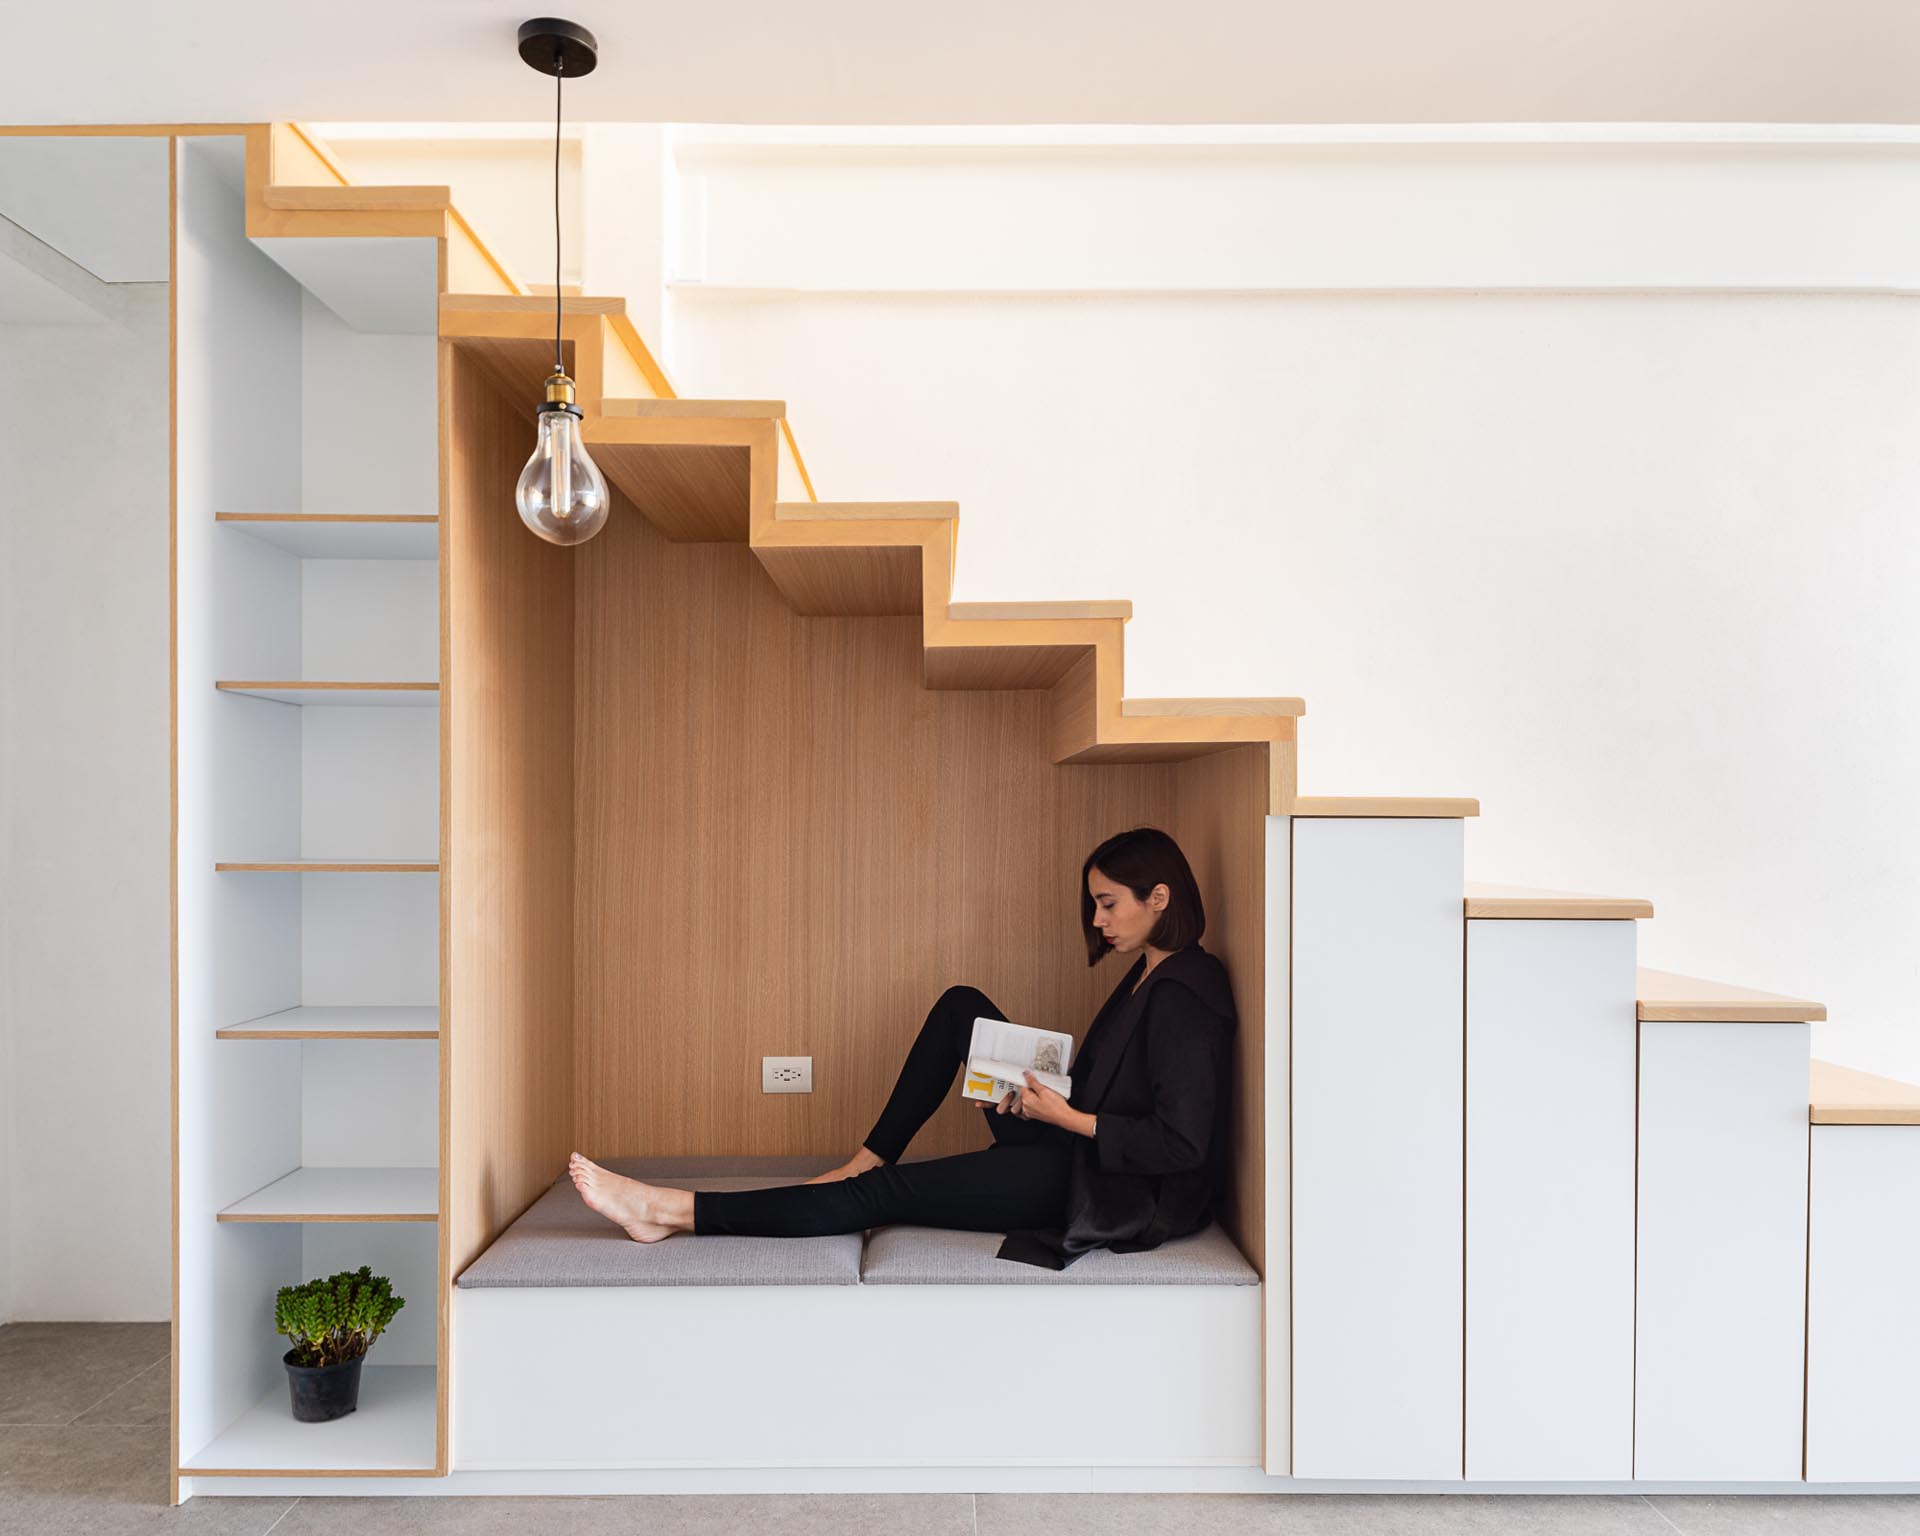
point(558, 1241)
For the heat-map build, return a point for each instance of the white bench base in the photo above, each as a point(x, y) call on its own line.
point(856, 1376)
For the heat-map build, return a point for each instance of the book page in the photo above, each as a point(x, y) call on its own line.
point(1000, 1051)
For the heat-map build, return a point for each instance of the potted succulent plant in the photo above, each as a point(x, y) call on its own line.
point(332, 1323)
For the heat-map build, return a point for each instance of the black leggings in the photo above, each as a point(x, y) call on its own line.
point(1020, 1181)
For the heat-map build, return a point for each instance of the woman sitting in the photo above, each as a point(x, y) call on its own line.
point(1134, 1156)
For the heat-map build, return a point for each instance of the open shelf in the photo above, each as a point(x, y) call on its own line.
point(344, 1194)
point(391, 1431)
point(404, 695)
point(307, 576)
point(330, 866)
point(365, 1022)
point(341, 535)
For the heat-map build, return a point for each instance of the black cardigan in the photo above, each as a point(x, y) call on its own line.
point(1158, 1082)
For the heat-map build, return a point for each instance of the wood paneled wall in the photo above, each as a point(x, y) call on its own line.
point(1219, 820)
point(508, 702)
point(789, 847)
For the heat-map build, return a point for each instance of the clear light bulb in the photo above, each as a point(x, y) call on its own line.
point(561, 495)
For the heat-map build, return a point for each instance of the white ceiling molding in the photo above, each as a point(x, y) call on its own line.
point(1248, 218)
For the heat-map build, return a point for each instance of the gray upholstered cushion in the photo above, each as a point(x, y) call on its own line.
point(903, 1255)
point(561, 1241)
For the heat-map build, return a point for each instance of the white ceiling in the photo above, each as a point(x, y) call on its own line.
point(989, 61)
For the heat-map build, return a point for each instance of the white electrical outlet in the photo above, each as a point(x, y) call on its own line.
point(786, 1074)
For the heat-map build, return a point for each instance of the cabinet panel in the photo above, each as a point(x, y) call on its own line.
point(1377, 1147)
point(1863, 1328)
point(1550, 1149)
point(1722, 1261)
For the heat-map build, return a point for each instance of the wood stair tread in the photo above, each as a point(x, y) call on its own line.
point(1014, 613)
point(1487, 900)
point(1670, 997)
point(681, 408)
point(1213, 708)
point(537, 304)
point(864, 511)
point(1385, 805)
point(1838, 1095)
point(354, 199)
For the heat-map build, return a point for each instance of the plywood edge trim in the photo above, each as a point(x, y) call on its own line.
point(326, 1034)
point(302, 519)
point(330, 866)
point(799, 461)
point(363, 687)
point(302, 1217)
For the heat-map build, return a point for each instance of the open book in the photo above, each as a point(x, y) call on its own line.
point(1000, 1052)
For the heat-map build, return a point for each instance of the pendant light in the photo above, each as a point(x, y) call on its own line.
point(561, 495)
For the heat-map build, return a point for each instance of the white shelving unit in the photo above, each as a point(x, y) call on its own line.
point(307, 776)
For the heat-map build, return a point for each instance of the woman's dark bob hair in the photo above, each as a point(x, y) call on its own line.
point(1140, 860)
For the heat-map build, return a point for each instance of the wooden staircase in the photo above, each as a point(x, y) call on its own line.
point(704, 471)
point(709, 471)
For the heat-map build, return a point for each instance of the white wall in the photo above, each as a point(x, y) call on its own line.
point(1562, 513)
point(84, 976)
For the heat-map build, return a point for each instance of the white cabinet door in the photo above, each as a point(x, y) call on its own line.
point(1863, 1305)
point(1550, 1144)
point(1722, 1267)
point(1377, 1147)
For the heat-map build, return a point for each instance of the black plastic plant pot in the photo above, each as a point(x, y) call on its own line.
point(322, 1392)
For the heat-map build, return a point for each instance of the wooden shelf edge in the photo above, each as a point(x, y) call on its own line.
point(326, 1034)
point(309, 518)
point(290, 685)
point(329, 866)
point(289, 1218)
point(341, 1194)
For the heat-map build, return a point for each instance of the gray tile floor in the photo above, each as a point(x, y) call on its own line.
point(83, 1449)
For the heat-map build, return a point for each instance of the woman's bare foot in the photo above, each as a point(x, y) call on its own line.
point(859, 1163)
point(644, 1213)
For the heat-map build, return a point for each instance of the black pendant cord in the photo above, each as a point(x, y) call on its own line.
point(559, 65)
